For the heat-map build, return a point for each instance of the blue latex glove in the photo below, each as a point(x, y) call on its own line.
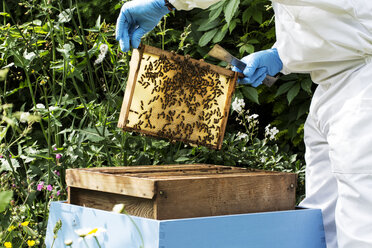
point(260, 64)
point(136, 19)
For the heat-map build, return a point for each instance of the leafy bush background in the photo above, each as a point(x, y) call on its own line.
point(48, 53)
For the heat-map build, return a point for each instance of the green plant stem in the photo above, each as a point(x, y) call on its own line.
point(137, 228)
point(95, 238)
point(4, 10)
point(34, 102)
point(80, 32)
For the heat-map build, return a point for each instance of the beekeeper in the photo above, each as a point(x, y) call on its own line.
point(331, 40)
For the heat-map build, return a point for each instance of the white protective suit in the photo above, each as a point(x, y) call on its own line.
point(332, 40)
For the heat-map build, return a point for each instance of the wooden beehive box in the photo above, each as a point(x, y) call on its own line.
point(182, 191)
point(176, 97)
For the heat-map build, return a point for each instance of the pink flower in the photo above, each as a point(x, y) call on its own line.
point(1, 156)
point(58, 156)
point(40, 186)
point(58, 193)
point(49, 187)
point(55, 149)
point(57, 173)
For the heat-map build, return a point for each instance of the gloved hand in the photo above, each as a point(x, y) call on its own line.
point(260, 64)
point(136, 18)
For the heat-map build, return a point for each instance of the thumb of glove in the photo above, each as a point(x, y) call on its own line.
point(136, 37)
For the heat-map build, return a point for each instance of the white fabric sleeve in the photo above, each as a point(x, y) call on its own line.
point(190, 4)
point(338, 6)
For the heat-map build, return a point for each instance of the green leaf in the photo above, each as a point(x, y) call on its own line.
point(3, 74)
point(213, 14)
point(92, 135)
point(182, 159)
point(306, 85)
point(5, 198)
point(247, 14)
point(5, 166)
point(231, 9)
point(220, 35)
point(65, 16)
point(304, 107)
point(208, 25)
point(246, 48)
point(4, 14)
point(217, 5)
point(233, 24)
point(207, 37)
point(284, 88)
point(293, 92)
point(29, 231)
point(251, 93)
point(257, 16)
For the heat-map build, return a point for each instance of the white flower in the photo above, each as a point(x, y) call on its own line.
point(241, 135)
point(103, 50)
point(82, 232)
point(29, 56)
point(271, 132)
point(95, 232)
point(52, 108)
point(68, 242)
point(252, 117)
point(118, 208)
point(24, 117)
point(238, 105)
point(40, 106)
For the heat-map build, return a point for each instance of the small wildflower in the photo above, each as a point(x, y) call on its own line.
point(68, 242)
point(52, 108)
point(40, 106)
point(252, 117)
point(31, 243)
point(1, 156)
point(24, 117)
point(58, 193)
point(58, 156)
point(49, 187)
point(103, 50)
point(40, 186)
point(42, 82)
point(55, 148)
point(57, 173)
point(8, 245)
point(271, 132)
point(238, 105)
point(82, 232)
point(241, 135)
point(118, 208)
point(95, 232)
point(25, 223)
point(11, 228)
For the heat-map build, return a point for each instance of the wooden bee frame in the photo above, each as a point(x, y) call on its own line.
point(176, 97)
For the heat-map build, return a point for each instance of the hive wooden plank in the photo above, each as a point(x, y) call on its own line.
point(176, 97)
point(225, 195)
point(112, 183)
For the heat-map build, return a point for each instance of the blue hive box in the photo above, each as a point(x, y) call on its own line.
point(301, 228)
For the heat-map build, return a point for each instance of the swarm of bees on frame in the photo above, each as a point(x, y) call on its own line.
point(178, 99)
